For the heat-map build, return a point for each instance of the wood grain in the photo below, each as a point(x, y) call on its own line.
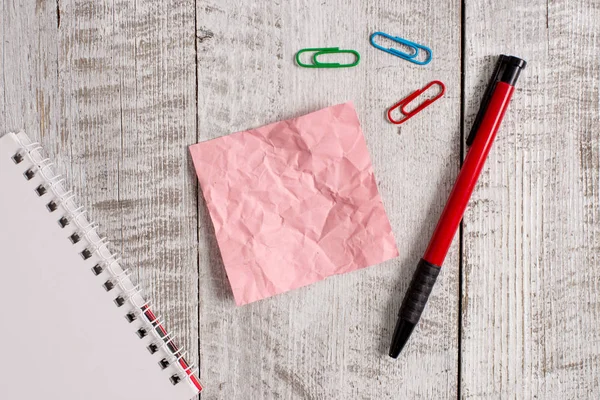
point(532, 233)
point(330, 340)
point(109, 90)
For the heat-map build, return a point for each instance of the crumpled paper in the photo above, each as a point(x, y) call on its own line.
point(293, 202)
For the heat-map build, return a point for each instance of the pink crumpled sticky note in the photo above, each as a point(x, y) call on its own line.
point(294, 202)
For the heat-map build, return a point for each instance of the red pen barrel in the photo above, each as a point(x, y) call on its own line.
point(467, 178)
point(493, 106)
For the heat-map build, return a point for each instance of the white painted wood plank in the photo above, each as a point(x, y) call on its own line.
point(29, 55)
point(330, 340)
point(532, 232)
point(110, 93)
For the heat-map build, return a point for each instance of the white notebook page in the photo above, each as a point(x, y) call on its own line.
point(62, 335)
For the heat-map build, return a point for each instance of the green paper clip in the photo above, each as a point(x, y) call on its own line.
point(327, 50)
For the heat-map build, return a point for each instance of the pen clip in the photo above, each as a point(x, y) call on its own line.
point(485, 101)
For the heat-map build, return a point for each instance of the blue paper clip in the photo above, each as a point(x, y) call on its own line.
point(406, 56)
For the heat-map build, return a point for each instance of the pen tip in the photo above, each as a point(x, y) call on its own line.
point(401, 335)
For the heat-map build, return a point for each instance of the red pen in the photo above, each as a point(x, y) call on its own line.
point(493, 106)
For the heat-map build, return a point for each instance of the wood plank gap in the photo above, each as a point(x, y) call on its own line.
point(196, 185)
point(58, 14)
point(461, 155)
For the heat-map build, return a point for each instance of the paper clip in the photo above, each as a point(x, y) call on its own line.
point(327, 50)
point(406, 56)
point(404, 102)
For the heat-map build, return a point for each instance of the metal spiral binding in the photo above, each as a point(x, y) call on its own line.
point(107, 264)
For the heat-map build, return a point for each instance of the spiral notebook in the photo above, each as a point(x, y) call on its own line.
point(74, 326)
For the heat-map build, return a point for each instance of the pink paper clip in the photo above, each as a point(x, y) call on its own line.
point(404, 102)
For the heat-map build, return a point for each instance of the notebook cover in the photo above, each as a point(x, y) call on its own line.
point(62, 334)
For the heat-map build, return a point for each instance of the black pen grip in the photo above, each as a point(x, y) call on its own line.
point(418, 292)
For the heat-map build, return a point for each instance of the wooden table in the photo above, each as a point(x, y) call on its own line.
point(116, 91)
